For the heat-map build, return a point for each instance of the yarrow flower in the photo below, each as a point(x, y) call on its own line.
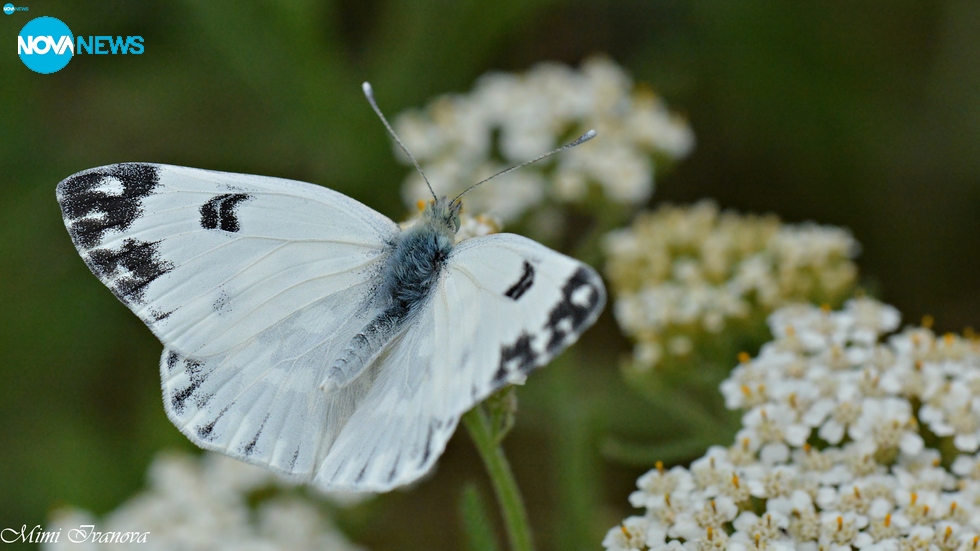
point(868, 482)
point(683, 274)
point(207, 504)
point(509, 118)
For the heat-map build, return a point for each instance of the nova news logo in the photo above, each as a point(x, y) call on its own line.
point(46, 45)
point(9, 9)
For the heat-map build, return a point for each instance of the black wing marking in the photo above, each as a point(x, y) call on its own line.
point(128, 270)
point(518, 356)
point(582, 297)
point(91, 211)
point(108, 199)
point(523, 284)
point(219, 212)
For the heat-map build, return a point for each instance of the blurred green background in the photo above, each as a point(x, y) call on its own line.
point(860, 114)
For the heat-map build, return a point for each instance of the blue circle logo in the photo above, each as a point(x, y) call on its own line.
point(8, 9)
point(45, 45)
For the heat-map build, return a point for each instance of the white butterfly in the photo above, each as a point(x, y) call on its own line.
point(304, 332)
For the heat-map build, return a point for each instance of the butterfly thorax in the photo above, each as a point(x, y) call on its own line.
point(407, 279)
point(419, 254)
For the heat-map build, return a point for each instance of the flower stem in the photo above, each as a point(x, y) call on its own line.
point(508, 495)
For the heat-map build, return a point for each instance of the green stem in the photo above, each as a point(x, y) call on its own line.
point(508, 495)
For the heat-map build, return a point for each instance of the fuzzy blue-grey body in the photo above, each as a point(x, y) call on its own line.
point(407, 279)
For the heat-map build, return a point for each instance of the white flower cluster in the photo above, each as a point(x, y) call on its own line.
point(681, 272)
point(509, 118)
point(204, 504)
point(831, 455)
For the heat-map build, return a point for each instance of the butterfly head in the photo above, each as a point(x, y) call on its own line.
point(443, 214)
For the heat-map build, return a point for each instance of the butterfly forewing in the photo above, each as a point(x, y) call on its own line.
point(209, 259)
point(519, 303)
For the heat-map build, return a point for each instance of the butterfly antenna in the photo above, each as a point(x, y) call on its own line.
point(369, 94)
point(581, 140)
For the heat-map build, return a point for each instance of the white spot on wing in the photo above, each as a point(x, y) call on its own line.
point(94, 215)
point(582, 296)
point(565, 326)
point(121, 273)
point(110, 186)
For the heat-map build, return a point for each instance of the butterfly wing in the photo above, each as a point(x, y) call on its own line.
point(504, 305)
point(209, 259)
point(251, 283)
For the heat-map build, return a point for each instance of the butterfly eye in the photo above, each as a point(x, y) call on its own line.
point(454, 209)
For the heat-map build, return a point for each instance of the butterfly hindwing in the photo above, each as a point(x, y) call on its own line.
point(504, 305)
